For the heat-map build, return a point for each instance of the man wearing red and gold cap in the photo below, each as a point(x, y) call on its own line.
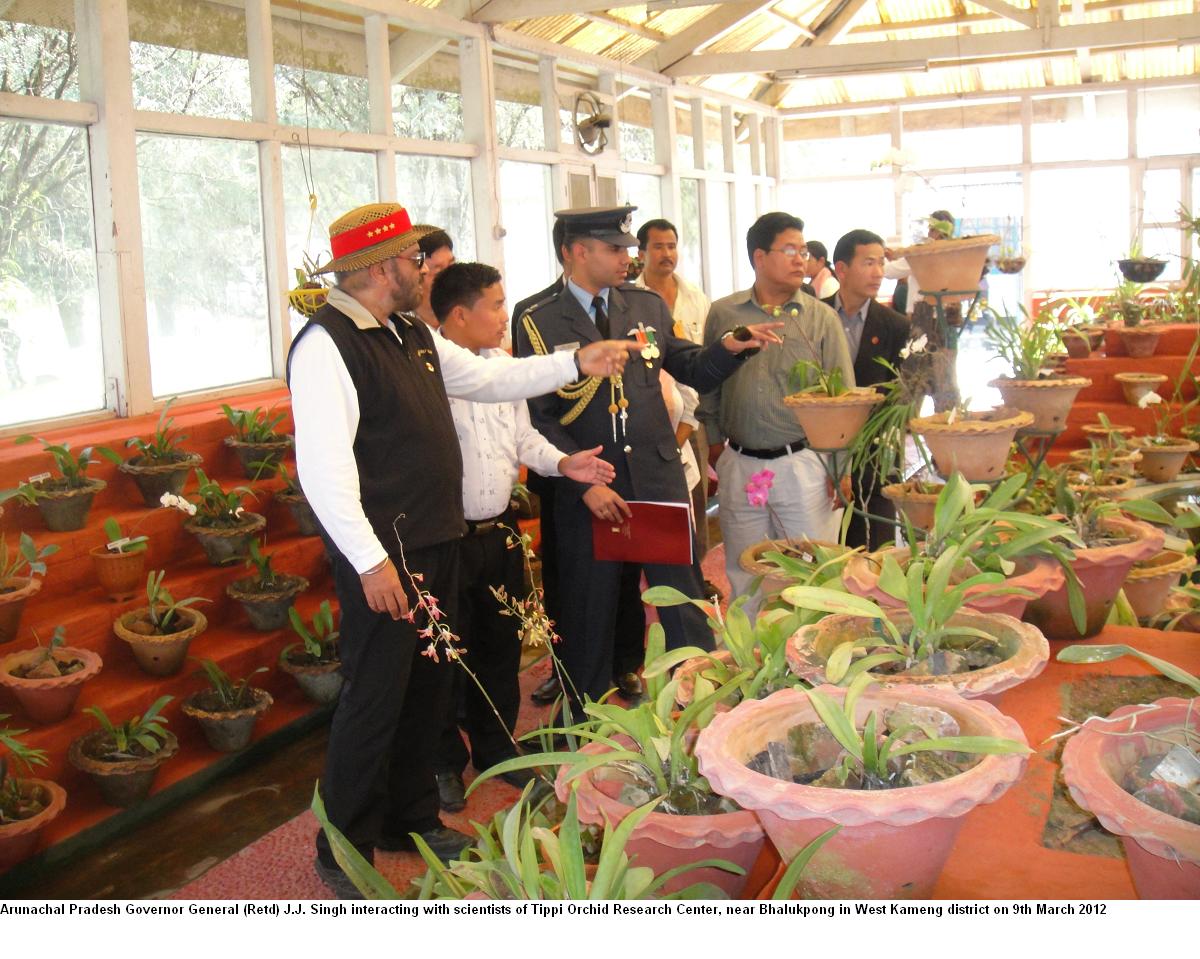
point(379, 461)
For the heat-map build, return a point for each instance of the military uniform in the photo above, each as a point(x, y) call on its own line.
point(643, 452)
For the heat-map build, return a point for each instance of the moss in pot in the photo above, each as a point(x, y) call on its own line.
point(63, 501)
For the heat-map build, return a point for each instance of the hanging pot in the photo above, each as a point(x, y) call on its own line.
point(974, 444)
point(948, 265)
point(832, 422)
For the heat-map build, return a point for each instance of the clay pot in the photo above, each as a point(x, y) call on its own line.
point(1101, 571)
point(125, 782)
point(224, 547)
point(832, 422)
point(975, 444)
point(267, 610)
point(161, 655)
point(1142, 270)
point(1039, 575)
point(49, 700)
point(12, 604)
point(19, 839)
point(1119, 461)
point(773, 582)
point(1190, 621)
point(1109, 485)
point(948, 265)
point(1010, 264)
point(155, 479)
point(1163, 852)
point(662, 841)
point(1049, 399)
point(1149, 582)
point(230, 730)
point(1161, 463)
point(268, 455)
point(66, 510)
point(1079, 346)
point(916, 505)
point(121, 575)
point(1105, 434)
point(687, 671)
point(1137, 385)
point(306, 519)
point(1095, 334)
point(1027, 650)
point(321, 682)
point(894, 842)
point(1139, 341)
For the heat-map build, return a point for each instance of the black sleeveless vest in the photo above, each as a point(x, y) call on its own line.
point(409, 462)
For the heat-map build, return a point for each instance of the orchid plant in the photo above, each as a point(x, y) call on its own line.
point(213, 507)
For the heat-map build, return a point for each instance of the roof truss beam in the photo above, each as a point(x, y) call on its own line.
point(839, 23)
point(1027, 18)
point(708, 28)
point(506, 11)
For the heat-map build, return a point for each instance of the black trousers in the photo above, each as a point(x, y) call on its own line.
point(493, 653)
point(867, 496)
point(379, 771)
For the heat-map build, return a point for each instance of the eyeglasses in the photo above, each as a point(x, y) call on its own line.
point(791, 252)
point(417, 258)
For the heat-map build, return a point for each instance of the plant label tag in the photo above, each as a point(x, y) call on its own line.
point(38, 477)
point(116, 544)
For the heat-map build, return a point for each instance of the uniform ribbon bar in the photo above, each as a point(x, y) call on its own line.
point(370, 234)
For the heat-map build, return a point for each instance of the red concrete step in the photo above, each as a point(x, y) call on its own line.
point(1176, 339)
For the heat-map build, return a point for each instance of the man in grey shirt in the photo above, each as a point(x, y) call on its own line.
point(747, 410)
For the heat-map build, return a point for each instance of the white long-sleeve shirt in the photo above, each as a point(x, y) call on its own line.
point(325, 407)
point(496, 438)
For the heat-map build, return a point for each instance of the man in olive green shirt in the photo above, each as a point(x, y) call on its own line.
point(747, 410)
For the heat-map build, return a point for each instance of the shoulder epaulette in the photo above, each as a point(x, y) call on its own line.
point(553, 297)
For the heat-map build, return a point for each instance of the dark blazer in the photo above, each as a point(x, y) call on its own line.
point(646, 457)
point(535, 300)
point(884, 335)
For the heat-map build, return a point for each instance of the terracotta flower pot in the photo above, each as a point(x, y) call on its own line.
point(1079, 345)
point(267, 609)
point(1163, 852)
point(1106, 434)
point(893, 842)
point(1109, 485)
point(302, 513)
point(19, 839)
point(832, 422)
point(1095, 334)
point(662, 841)
point(226, 546)
point(1026, 649)
point(1101, 571)
point(51, 699)
point(155, 479)
point(268, 455)
point(751, 560)
point(161, 655)
point(124, 782)
point(1190, 621)
point(913, 503)
point(1137, 385)
point(1162, 462)
point(121, 575)
point(1149, 582)
point(1039, 575)
point(1119, 461)
point(1049, 399)
point(948, 264)
point(12, 604)
point(227, 731)
point(975, 444)
point(689, 668)
point(321, 683)
point(66, 510)
point(1139, 341)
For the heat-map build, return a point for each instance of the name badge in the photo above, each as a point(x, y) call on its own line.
point(567, 347)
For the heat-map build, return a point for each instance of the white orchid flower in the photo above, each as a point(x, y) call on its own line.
point(914, 346)
point(1150, 399)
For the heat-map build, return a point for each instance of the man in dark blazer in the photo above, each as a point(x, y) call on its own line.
point(872, 331)
point(640, 444)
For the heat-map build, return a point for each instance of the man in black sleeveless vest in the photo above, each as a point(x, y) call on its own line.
point(379, 461)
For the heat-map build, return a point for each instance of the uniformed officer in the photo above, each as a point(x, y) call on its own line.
point(627, 416)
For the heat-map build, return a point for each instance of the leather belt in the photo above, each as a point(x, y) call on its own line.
point(478, 527)
point(772, 454)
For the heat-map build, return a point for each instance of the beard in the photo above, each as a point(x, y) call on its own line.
point(407, 292)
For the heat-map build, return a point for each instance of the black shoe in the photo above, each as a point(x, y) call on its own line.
point(452, 794)
point(445, 843)
point(549, 691)
point(629, 685)
point(337, 881)
point(712, 592)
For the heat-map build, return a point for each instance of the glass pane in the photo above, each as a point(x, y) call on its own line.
point(685, 147)
point(427, 114)
point(437, 190)
point(1160, 196)
point(192, 61)
point(205, 279)
point(1099, 231)
point(320, 77)
point(833, 208)
point(49, 314)
point(520, 125)
point(1165, 244)
point(38, 55)
point(1069, 128)
point(836, 155)
point(973, 146)
point(644, 192)
point(637, 143)
point(1167, 121)
point(741, 157)
point(689, 229)
point(339, 179)
point(714, 153)
point(745, 213)
point(719, 251)
point(525, 210)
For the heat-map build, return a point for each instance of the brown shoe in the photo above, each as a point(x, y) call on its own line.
point(549, 691)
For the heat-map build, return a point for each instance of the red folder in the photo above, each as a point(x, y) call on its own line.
point(657, 533)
